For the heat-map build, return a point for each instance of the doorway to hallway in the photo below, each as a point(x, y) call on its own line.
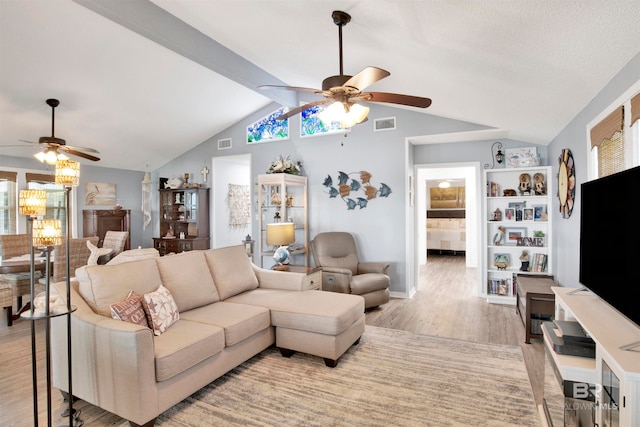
point(469, 173)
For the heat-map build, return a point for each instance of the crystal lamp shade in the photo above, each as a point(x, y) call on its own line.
point(47, 232)
point(67, 173)
point(32, 202)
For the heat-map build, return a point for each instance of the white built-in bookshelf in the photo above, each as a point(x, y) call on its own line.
point(516, 222)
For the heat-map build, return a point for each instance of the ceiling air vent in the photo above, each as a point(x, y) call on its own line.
point(388, 123)
point(224, 144)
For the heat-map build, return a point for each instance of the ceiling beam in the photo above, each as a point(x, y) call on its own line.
point(158, 25)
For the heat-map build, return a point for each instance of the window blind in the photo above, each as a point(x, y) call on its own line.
point(607, 139)
point(8, 176)
point(40, 177)
point(613, 123)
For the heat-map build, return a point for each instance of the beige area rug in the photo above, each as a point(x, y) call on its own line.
point(392, 378)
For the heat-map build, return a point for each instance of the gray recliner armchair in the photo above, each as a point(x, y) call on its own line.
point(343, 272)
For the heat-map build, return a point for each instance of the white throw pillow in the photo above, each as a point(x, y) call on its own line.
point(161, 310)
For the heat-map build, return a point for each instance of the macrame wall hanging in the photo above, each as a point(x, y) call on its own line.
point(239, 205)
point(146, 200)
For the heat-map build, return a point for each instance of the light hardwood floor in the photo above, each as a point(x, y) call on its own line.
point(445, 305)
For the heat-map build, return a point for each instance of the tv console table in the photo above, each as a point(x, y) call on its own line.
point(617, 361)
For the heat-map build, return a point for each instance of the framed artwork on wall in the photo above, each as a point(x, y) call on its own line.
point(447, 198)
point(521, 157)
point(99, 193)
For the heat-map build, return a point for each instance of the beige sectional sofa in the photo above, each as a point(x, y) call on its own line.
point(228, 310)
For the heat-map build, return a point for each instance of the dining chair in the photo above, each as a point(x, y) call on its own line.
point(116, 240)
point(11, 246)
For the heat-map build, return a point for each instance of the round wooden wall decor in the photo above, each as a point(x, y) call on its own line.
point(566, 182)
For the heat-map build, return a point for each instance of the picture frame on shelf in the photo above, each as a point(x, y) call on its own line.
point(518, 205)
point(518, 208)
point(501, 261)
point(510, 214)
point(512, 234)
point(528, 214)
point(539, 212)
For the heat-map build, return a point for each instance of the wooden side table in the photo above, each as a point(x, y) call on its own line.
point(313, 279)
point(535, 301)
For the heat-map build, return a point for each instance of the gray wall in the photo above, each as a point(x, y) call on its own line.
point(574, 137)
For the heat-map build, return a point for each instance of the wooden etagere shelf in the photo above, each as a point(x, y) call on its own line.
point(282, 197)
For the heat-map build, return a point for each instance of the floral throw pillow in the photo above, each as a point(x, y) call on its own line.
point(161, 309)
point(130, 310)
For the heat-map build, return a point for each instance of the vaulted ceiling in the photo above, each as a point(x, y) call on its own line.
point(143, 81)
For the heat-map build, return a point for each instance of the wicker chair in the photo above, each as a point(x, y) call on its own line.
point(6, 301)
point(79, 256)
point(116, 240)
point(15, 245)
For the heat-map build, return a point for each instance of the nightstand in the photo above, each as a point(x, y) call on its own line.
point(313, 280)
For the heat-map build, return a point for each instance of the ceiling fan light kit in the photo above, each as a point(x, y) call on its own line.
point(342, 91)
point(50, 156)
point(347, 115)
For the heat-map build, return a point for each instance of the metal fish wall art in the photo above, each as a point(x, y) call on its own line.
point(355, 191)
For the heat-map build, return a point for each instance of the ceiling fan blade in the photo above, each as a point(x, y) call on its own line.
point(83, 149)
point(367, 77)
point(293, 88)
point(79, 154)
point(301, 108)
point(394, 98)
point(16, 146)
point(28, 142)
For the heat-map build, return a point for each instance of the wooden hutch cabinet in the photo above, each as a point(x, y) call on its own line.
point(184, 220)
point(96, 222)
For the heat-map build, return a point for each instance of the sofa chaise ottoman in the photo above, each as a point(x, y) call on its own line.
point(225, 310)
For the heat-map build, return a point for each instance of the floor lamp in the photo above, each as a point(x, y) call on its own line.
point(33, 203)
point(68, 174)
point(46, 233)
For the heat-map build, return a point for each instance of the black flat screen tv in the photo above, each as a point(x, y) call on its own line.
point(610, 240)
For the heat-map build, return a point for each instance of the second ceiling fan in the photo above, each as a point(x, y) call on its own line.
point(342, 91)
point(53, 146)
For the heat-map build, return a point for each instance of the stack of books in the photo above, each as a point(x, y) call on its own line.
point(493, 189)
point(498, 287)
point(539, 263)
